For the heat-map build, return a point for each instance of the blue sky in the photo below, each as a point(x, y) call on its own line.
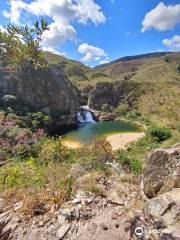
point(98, 31)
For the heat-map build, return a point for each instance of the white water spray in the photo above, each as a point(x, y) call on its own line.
point(85, 116)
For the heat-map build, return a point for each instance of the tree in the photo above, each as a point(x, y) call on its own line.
point(21, 46)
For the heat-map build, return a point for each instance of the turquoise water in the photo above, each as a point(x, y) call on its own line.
point(86, 132)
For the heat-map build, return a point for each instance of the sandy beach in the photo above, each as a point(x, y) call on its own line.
point(121, 140)
point(71, 144)
point(117, 141)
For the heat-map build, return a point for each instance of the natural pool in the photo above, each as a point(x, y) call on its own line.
point(86, 132)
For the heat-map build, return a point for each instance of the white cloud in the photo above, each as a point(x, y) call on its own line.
point(89, 10)
point(162, 17)
point(62, 14)
point(15, 10)
point(160, 50)
point(103, 62)
point(57, 35)
point(92, 53)
point(52, 50)
point(2, 29)
point(173, 43)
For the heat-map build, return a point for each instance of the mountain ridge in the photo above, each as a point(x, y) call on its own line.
point(134, 57)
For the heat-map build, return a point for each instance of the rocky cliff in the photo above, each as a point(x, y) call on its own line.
point(47, 89)
point(109, 95)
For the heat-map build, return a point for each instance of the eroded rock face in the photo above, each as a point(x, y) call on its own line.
point(41, 89)
point(104, 116)
point(165, 210)
point(162, 171)
point(106, 95)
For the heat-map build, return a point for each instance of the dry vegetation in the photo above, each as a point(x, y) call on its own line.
point(159, 77)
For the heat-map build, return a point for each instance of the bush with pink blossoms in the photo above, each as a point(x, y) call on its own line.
point(17, 141)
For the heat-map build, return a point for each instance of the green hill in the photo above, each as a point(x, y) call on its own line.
point(80, 75)
point(159, 77)
point(152, 80)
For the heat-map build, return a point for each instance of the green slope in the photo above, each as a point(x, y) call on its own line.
point(159, 77)
point(79, 74)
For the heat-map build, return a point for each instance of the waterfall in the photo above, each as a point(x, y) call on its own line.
point(84, 116)
point(79, 117)
point(89, 117)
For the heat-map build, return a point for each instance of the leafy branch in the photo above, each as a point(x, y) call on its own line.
point(21, 46)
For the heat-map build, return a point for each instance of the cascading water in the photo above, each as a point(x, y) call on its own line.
point(84, 116)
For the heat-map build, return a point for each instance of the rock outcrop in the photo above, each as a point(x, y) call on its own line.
point(164, 213)
point(105, 96)
point(47, 89)
point(104, 116)
point(162, 171)
point(87, 216)
point(162, 185)
point(115, 212)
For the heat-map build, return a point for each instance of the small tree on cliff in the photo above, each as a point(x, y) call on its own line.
point(21, 46)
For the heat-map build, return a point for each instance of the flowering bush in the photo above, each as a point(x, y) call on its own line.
point(16, 140)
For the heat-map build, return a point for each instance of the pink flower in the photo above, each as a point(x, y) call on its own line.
point(38, 133)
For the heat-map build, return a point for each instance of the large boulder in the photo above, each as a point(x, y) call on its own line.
point(164, 212)
point(39, 89)
point(162, 171)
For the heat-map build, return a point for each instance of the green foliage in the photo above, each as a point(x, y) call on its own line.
point(21, 176)
point(95, 156)
point(81, 76)
point(131, 163)
point(36, 120)
point(53, 150)
point(123, 108)
point(20, 46)
point(160, 134)
point(137, 116)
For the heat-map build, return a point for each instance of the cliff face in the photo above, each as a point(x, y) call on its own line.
point(112, 94)
point(40, 89)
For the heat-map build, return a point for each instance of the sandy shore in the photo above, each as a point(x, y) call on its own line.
point(121, 140)
point(71, 144)
point(117, 141)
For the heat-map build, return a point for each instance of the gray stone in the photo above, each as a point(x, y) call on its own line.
point(67, 213)
point(40, 88)
point(164, 208)
point(77, 170)
point(62, 231)
point(162, 171)
point(114, 198)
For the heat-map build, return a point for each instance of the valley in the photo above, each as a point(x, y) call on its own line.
point(88, 153)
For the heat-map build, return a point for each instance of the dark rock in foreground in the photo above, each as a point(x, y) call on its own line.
point(162, 172)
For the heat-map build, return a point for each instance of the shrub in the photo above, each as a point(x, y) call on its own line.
point(18, 175)
point(95, 155)
point(89, 183)
point(132, 164)
point(53, 150)
point(36, 120)
point(122, 108)
point(137, 117)
point(160, 134)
